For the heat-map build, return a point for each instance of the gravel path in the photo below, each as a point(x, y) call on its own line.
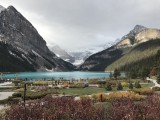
point(5, 83)
point(155, 82)
point(4, 95)
point(2, 85)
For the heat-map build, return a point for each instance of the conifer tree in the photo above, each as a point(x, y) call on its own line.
point(130, 85)
point(116, 73)
point(137, 84)
point(119, 86)
point(108, 86)
point(110, 75)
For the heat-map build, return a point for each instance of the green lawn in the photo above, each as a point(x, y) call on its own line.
point(6, 89)
point(89, 91)
point(147, 85)
point(81, 91)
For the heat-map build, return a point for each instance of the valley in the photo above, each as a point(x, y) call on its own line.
point(39, 79)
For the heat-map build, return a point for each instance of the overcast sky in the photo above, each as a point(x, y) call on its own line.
point(77, 24)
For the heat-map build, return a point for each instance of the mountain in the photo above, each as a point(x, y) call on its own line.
point(140, 43)
point(142, 56)
point(80, 56)
point(23, 49)
point(129, 39)
point(76, 57)
point(98, 61)
point(62, 53)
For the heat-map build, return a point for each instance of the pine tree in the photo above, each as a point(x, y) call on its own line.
point(108, 86)
point(133, 74)
point(116, 73)
point(119, 86)
point(137, 84)
point(110, 75)
point(130, 85)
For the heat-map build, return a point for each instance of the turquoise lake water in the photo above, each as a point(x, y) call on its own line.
point(56, 75)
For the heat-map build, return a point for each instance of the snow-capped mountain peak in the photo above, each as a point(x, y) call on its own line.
point(138, 28)
point(62, 53)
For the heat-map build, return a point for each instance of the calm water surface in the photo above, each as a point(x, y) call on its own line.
point(56, 75)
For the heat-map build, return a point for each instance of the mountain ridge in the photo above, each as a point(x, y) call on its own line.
point(19, 33)
point(100, 60)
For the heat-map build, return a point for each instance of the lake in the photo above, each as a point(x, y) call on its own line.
point(56, 75)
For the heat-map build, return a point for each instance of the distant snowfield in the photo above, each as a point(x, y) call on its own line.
point(78, 62)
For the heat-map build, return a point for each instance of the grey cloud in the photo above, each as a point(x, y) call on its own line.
point(83, 23)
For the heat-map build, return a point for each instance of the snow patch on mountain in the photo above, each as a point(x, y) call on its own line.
point(36, 53)
point(13, 54)
point(26, 58)
point(57, 55)
point(78, 62)
point(10, 52)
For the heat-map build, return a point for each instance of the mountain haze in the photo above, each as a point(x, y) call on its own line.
point(62, 53)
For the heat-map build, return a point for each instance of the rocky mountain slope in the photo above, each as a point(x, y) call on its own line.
point(135, 55)
point(24, 44)
point(129, 39)
point(121, 51)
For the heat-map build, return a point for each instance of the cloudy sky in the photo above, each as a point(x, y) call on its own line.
point(78, 24)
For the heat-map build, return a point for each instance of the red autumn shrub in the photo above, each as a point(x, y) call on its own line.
point(49, 108)
point(127, 109)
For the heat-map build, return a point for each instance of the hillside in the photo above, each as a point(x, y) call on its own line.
point(140, 43)
point(139, 56)
point(98, 61)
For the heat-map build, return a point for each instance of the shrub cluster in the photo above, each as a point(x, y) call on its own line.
point(100, 97)
point(78, 85)
point(121, 95)
point(124, 84)
point(143, 91)
point(108, 86)
point(156, 88)
point(119, 86)
point(127, 109)
point(16, 95)
point(36, 95)
point(137, 84)
point(116, 96)
point(56, 109)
